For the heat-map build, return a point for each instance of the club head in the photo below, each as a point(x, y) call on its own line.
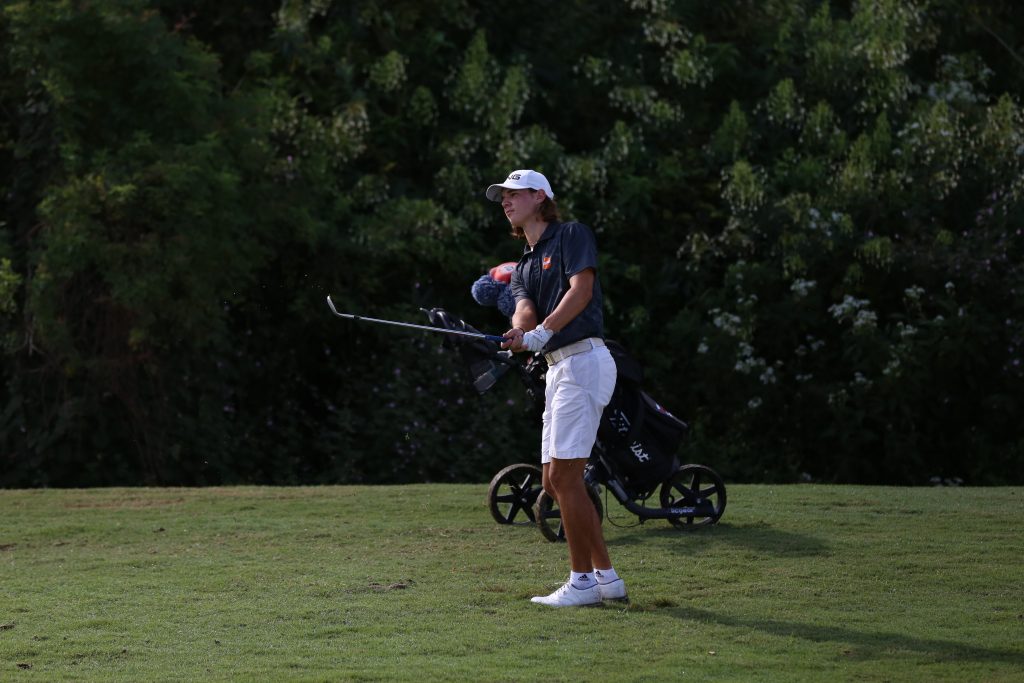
point(331, 304)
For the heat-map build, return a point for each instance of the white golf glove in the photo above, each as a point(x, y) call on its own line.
point(535, 339)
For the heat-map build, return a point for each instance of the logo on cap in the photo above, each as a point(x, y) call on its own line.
point(514, 176)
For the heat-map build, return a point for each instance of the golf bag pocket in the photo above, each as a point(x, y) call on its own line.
point(640, 437)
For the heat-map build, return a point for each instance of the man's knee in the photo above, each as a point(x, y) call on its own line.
point(565, 474)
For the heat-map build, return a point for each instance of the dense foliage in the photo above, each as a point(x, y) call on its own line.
point(809, 213)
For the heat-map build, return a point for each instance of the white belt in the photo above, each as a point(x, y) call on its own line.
point(572, 349)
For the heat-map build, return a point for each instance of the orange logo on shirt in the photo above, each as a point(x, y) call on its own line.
point(547, 262)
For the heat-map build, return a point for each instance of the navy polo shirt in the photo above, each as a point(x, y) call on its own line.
point(542, 276)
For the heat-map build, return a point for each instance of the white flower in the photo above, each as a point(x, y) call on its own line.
point(727, 322)
point(859, 378)
point(802, 287)
point(913, 293)
point(906, 330)
point(745, 362)
point(850, 307)
point(865, 319)
point(847, 307)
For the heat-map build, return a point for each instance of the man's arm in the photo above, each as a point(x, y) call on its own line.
point(524, 319)
point(525, 316)
point(581, 291)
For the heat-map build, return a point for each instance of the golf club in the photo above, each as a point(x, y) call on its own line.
point(427, 328)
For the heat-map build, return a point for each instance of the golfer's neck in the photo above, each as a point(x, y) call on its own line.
point(534, 230)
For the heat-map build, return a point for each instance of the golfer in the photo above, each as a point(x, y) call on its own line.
point(559, 311)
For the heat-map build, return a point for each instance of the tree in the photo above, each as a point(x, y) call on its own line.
point(807, 214)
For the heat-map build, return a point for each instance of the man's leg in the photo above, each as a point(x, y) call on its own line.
point(563, 479)
point(572, 411)
point(587, 548)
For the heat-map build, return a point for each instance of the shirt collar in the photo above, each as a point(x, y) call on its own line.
point(549, 232)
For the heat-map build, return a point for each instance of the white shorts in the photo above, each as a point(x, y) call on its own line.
point(578, 388)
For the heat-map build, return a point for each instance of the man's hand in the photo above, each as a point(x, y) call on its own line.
point(535, 339)
point(515, 339)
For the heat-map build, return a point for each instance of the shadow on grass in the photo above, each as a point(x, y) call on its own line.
point(759, 538)
point(858, 644)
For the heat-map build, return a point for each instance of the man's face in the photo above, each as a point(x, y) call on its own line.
point(520, 205)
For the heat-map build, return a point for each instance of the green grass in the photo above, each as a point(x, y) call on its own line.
point(417, 583)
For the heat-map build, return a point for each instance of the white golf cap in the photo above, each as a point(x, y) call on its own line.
point(523, 179)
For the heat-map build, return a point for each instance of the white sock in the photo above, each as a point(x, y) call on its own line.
point(581, 579)
point(606, 575)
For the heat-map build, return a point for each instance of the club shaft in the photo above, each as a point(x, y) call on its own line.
point(425, 328)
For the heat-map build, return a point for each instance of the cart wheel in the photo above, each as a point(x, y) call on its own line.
point(514, 490)
point(549, 517)
point(694, 486)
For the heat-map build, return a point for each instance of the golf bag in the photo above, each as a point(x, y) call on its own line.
point(640, 436)
point(478, 355)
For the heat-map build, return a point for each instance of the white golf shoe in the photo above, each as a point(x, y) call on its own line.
point(569, 596)
point(613, 590)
